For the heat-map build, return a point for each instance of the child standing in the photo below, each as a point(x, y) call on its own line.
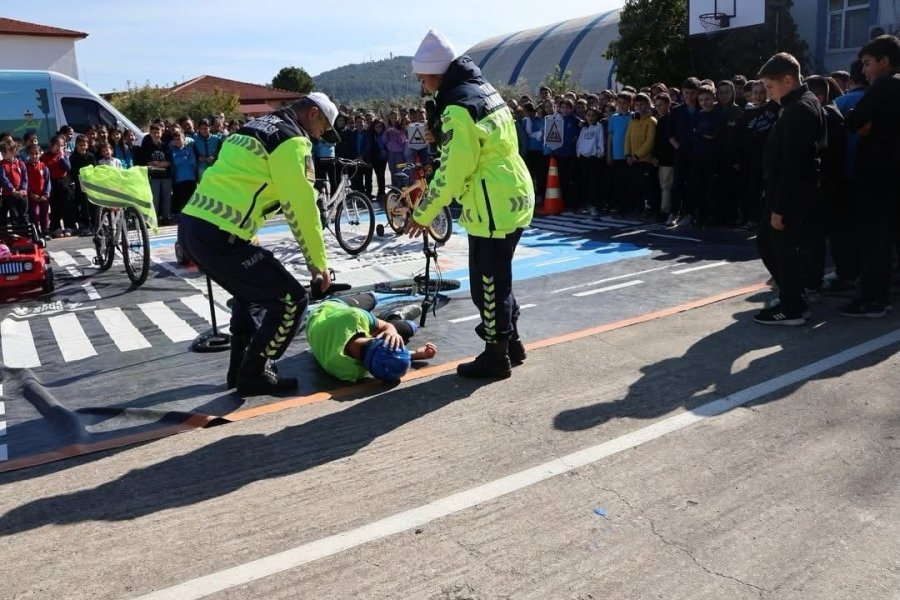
point(13, 187)
point(62, 208)
point(124, 149)
point(184, 163)
point(664, 156)
point(82, 157)
point(615, 151)
point(38, 191)
point(395, 141)
point(639, 142)
point(707, 157)
point(591, 150)
point(105, 156)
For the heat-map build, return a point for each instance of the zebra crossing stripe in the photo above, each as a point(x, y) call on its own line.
point(125, 335)
point(88, 253)
point(200, 305)
point(17, 345)
point(91, 291)
point(63, 258)
point(169, 323)
point(73, 342)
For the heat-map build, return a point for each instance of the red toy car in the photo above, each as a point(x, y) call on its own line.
point(23, 262)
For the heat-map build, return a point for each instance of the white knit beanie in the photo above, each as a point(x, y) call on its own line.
point(434, 55)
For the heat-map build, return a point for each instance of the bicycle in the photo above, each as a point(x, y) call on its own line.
point(351, 212)
point(400, 203)
point(126, 229)
point(419, 285)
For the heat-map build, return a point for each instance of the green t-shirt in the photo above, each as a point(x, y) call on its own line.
point(328, 329)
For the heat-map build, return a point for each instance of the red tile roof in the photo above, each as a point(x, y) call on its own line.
point(256, 108)
point(246, 92)
point(13, 27)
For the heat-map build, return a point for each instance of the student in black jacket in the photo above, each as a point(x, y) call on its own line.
point(877, 119)
point(791, 179)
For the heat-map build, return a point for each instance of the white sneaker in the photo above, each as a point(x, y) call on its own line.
point(670, 221)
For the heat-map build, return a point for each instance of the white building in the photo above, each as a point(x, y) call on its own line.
point(38, 47)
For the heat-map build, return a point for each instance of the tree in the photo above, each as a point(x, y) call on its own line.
point(143, 104)
point(653, 44)
point(560, 83)
point(294, 79)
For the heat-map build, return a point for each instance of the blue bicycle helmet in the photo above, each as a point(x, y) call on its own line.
point(384, 363)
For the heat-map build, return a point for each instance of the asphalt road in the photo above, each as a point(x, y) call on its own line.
point(695, 456)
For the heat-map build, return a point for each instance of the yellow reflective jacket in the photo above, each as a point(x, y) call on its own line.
point(266, 165)
point(480, 163)
point(117, 188)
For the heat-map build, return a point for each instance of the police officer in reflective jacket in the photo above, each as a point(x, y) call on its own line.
point(265, 166)
point(481, 169)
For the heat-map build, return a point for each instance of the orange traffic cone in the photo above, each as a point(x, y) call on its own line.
point(553, 203)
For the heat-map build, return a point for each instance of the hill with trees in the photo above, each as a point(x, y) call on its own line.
point(387, 78)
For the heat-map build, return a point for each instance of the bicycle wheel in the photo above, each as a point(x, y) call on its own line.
point(104, 241)
point(135, 246)
point(416, 285)
point(442, 227)
point(354, 223)
point(396, 210)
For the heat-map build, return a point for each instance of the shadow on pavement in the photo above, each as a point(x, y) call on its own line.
point(231, 463)
point(704, 373)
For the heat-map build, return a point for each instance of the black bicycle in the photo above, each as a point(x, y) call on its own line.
point(429, 284)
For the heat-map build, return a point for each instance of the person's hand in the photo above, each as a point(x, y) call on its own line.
point(777, 222)
point(325, 274)
point(391, 338)
point(429, 350)
point(415, 229)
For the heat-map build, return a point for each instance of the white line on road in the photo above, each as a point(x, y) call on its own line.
point(449, 505)
point(599, 281)
point(474, 317)
point(629, 233)
point(91, 291)
point(558, 261)
point(608, 289)
point(63, 258)
point(17, 345)
point(700, 268)
point(74, 272)
point(175, 328)
point(122, 331)
point(675, 237)
point(200, 305)
point(73, 342)
point(88, 253)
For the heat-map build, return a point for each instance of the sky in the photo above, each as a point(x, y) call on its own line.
point(168, 41)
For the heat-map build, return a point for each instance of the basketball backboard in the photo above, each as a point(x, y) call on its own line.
point(711, 16)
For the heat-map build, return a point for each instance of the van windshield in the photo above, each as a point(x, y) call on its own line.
point(82, 113)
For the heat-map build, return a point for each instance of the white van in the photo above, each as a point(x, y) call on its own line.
point(44, 101)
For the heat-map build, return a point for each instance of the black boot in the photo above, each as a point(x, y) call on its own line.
point(239, 345)
point(516, 352)
point(257, 378)
point(493, 363)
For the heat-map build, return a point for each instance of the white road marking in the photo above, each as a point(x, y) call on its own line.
point(475, 317)
point(17, 344)
point(200, 305)
point(675, 237)
point(599, 281)
point(558, 261)
point(122, 331)
point(88, 253)
point(63, 258)
point(608, 289)
point(492, 490)
point(91, 291)
point(73, 342)
point(74, 272)
point(629, 233)
point(175, 328)
point(700, 268)
point(553, 227)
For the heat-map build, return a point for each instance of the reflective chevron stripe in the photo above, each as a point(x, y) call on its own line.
point(223, 211)
point(248, 143)
point(294, 224)
point(489, 309)
point(283, 334)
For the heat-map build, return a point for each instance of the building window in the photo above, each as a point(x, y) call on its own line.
point(848, 23)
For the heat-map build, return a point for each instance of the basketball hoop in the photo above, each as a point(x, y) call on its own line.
point(715, 21)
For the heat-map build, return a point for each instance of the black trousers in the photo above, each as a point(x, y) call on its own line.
point(62, 204)
point(13, 211)
point(781, 253)
point(538, 164)
point(490, 276)
point(842, 214)
point(877, 228)
point(681, 189)
point(621, 186)
point(590, 176)
point(181, 193)
point(568, 180)
point(268, 302)
point(380, 168)
point(644, 186)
